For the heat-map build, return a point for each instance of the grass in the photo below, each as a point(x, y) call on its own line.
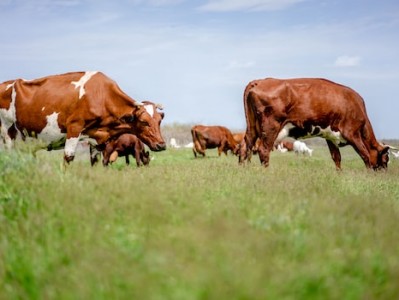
point(185, 228)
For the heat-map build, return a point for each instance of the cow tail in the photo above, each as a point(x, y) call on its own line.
point(195, 141)
point(250, 134)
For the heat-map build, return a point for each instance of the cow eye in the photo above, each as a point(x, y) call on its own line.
point(144, 123)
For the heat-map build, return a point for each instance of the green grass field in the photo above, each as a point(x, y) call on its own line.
point(186, 228)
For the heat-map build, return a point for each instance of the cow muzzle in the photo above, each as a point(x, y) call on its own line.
point(159, 147)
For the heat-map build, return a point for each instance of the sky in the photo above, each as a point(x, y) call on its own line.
point(195, 57)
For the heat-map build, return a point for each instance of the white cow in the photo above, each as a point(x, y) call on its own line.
point(395, 154)
point(173, 143)
point(300, 147)
point(189, 145)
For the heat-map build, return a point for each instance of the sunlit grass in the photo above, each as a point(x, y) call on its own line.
point(206, 228)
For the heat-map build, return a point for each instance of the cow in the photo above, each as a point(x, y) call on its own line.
point(395, 154)
point(238, 137)
point(124, 145)
point(173, 143)
point(63, 109)
point(284, 145)
point(307, 107)
point(301, 147)
point(209, 137)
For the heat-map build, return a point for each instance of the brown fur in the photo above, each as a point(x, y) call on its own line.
point(272, 103)
point(287, 145)
point(125, 145)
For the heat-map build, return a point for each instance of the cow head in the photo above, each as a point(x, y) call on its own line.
point(145, 157)
point(379, 158)
point(146, 124)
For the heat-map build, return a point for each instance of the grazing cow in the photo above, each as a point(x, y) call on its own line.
point(63, 109)
point(300, 147)
point(189, 145)
point(124, 145)
point(285, 145)
point(173, 143)
point(209, 137)
point(395, 154)
point(301, 108)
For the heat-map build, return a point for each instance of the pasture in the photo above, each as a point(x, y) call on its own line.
point(205, 228)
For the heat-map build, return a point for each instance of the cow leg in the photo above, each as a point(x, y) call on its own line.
point(335, 154)
point(95, 154)
point(246, 146)
point(74, 129)
point(270, 129)
point(222, 147)
point(242, 151)
point(198, 148)
point(127, 159)
point(136, 154)
point(220, 150)
point(113, 157)
point(70, 148)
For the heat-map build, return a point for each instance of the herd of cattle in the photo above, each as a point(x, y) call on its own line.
point(63, 110)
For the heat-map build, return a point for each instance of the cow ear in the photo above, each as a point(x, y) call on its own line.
point(162, 115)
point(385, 150)
point(128, 118)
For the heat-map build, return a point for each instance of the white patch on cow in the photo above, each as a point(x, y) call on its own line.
point(51, 132)
point(70, 146)
point(82, 81)
point(43, 108)
point(8, 117)
point(150, 109)
point(284, 132)
point(333, 136)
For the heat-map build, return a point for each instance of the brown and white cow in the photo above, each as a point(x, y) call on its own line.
point(307, 107)
point(63, 109)
point(124, 145)
point(281, 145)
point(209, 137)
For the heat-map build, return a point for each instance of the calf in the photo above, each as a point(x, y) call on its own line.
point(300, 147)
point(125, 145)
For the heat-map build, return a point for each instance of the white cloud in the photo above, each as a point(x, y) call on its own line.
point(347, 61)
point(257, 5)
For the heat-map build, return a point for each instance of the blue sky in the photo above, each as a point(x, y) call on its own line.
point(196, 56)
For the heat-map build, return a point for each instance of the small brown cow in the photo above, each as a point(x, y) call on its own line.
point(209, 137)
point(306, 107)
point(288, 145)
point(125, 145)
